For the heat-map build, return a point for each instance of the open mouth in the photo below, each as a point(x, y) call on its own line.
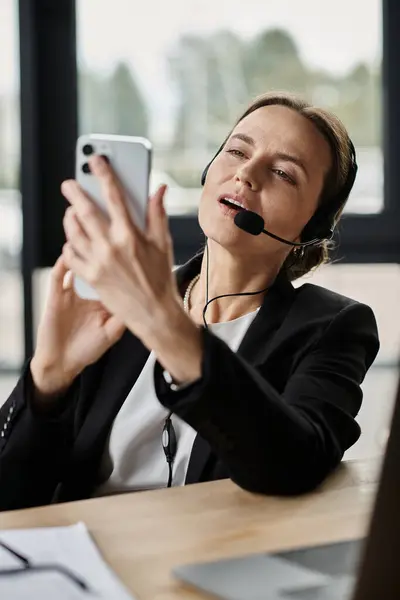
point(232, 204)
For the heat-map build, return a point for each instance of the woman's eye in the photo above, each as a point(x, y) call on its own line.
point(236, 152)
point(285, 176)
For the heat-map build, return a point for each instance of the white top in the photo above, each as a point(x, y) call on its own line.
point(134, 458)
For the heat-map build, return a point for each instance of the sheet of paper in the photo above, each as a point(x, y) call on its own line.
point(71, 547)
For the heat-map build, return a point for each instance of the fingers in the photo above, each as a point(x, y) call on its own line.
point(112, 190)
point(75, 233)
point(94, 221)
point(157, 220)
point(59, 270)
point(73, 261)
point(114, 329)
point(61, 277)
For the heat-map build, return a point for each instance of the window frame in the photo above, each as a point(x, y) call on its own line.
point(44, 24)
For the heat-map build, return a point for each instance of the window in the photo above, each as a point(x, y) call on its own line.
point(11, 312)
point(183, 78)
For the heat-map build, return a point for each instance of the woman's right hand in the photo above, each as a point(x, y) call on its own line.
point(72, 334)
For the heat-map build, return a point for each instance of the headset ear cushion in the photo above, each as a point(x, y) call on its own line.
point(321, 226)
point(325, 233)
point(318, 229)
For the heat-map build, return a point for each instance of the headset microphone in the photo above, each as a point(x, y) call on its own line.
point(253, 223)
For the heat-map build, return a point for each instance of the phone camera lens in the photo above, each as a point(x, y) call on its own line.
point(87, 149)
point(86, 168)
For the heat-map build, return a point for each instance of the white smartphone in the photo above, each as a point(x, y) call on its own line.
point(130, 157)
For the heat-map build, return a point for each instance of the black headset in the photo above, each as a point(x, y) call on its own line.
point(321, 226)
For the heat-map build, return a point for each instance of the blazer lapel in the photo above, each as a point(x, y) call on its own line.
point(255, 347)
point(123, 367)
point(257, 343)
point(110, 381)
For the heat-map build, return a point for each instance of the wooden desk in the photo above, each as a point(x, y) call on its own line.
point(143, 535)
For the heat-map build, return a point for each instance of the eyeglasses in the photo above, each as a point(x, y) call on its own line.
point(28, 567)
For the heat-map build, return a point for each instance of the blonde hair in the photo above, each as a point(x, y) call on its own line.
point(339, 142)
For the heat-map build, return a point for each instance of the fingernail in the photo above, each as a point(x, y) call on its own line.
point(67, 282)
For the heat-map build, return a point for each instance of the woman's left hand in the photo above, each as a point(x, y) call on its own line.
point(131, 270)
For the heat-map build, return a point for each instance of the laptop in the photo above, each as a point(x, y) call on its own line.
point(365, 569)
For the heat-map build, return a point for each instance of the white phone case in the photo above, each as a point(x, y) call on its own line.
point(130, 158)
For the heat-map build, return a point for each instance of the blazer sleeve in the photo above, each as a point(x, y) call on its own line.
point(285, 443)
point(33, 447)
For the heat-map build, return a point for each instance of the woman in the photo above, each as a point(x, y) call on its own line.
point(264, 389)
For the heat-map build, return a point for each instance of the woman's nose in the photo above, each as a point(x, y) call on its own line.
point(247, 178)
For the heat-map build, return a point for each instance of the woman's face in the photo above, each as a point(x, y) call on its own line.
point(274, 163)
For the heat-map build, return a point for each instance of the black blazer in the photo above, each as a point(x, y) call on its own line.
point(275, 417)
